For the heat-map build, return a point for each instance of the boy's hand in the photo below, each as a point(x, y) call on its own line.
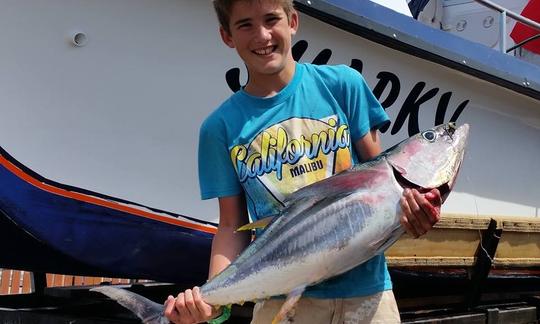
point(189, 308)
point(420, 211)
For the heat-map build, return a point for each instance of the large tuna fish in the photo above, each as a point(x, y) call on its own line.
point(331, 226)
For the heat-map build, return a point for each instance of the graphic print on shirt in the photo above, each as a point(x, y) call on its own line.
point(290, 155)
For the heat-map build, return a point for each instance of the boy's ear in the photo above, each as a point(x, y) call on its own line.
point(226, 37)
point(293, 22)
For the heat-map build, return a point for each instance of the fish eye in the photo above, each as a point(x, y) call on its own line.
point(429, 135)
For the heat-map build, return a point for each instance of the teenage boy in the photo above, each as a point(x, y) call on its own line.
point(291, 125)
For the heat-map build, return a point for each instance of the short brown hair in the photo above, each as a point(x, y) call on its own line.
point(223, 10)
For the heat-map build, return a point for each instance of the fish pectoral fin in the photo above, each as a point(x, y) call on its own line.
point(261, 223)
point(287, 309)
point(385, 241)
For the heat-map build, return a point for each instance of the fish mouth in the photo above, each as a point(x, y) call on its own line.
point(444, 188)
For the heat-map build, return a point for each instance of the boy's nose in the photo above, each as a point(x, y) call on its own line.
point(263, 34)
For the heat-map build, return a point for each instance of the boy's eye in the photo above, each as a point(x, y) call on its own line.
point(273, 19)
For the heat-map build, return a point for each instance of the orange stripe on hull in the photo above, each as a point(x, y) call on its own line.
point(101, 202)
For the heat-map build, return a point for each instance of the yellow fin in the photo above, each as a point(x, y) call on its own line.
point(261, 223)
point(288, 308)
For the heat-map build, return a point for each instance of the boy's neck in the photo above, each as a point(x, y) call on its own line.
point(268, 85)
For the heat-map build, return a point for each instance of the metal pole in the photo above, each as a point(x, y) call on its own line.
point(502, 31)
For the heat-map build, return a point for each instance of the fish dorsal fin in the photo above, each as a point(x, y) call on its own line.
point(287, 309)
point(259, 224)
point(148, 311)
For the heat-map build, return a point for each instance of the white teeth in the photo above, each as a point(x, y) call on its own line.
point(264, 51)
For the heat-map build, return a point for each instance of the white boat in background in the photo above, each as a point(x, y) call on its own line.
point(109, 96)
point(101, 102)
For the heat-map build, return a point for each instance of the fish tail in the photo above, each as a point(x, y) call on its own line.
point(148, 311)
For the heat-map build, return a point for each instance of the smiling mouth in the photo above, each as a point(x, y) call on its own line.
point(265, 50)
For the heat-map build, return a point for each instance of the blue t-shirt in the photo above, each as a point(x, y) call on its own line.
point(268, 148)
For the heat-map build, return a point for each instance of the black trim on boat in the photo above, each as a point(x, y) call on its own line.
point(394, 30)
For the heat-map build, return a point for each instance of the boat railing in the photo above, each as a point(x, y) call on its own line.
point(502, 24)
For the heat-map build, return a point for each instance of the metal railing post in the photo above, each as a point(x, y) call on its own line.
point(502, 31)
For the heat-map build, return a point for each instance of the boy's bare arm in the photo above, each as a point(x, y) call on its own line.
point(188, 307)
point(228, 243)
point(368, 146)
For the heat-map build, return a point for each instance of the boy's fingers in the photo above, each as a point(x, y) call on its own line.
point(204, 308)
point(181, 308)
point(405, 219)
point(424, 212)
point(190, 304)
point(168, 305)
point(434, 197)
point(432, 207)
point(415, 213)
point(170, 310)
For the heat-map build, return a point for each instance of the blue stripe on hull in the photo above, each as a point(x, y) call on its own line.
point(96, 240)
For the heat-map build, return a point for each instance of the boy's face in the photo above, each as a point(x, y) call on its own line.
point(261, 33)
